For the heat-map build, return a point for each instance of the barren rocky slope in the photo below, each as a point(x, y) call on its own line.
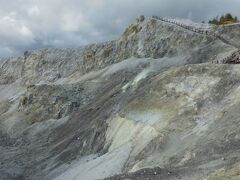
point(149, 105)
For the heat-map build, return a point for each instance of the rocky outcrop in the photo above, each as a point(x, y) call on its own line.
point(148, 105)
point(144, 38)
point(10, 70)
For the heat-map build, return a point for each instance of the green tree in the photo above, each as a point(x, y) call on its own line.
point(214, 21)
point(224, 19)
point(228, 17)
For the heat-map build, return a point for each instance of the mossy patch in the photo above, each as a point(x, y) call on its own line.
point(141, 19)
point(4, 106)
point(225, 174)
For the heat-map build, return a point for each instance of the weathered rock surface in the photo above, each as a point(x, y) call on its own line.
point(149, 105)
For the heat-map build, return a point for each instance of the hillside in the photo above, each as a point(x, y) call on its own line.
point(159, 102)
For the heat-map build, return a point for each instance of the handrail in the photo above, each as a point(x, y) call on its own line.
point(233, 58)
point(227, 60)
point(190, 28)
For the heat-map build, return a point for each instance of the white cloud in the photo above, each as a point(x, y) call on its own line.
point(73, 22)
point(13, 28)
point(34, 11)
point(15, 36)
point(25, 31)
point(8, 19)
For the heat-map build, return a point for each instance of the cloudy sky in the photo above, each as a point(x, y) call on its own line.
point(31, 24)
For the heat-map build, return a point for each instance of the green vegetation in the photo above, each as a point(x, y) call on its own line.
point(141, 18)
point(134, 28)
point(224, 19)
point(4, 106)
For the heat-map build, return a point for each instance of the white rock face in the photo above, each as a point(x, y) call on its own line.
point(147, 105)
point(107, 165)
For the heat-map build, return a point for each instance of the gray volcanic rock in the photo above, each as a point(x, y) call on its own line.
point(149, 38)
point(231, 33)
point(149, 105)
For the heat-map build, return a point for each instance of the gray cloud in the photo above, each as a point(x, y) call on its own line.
point(31, 24)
